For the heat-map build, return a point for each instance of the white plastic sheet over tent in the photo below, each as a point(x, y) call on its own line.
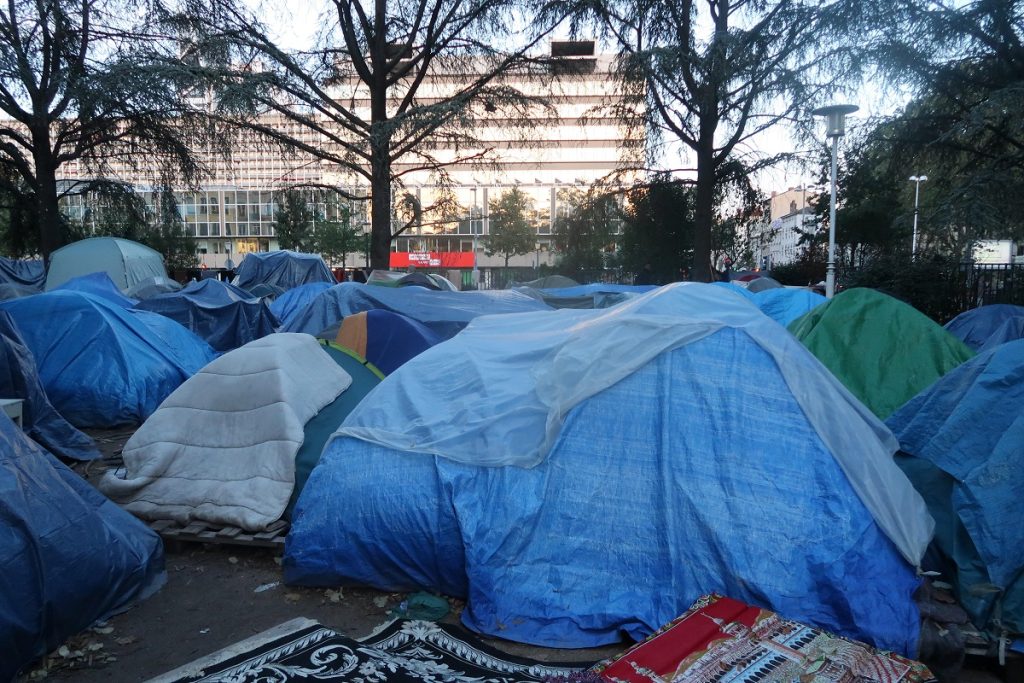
point(126, 262)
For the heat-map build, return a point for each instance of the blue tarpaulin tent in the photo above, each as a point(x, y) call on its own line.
point(284, 269)
point(576, 474)
point(386, 339)
point(224, 315)
point(98, 284)
point(784, 305)
point(964, 440)
point(28, 274)
point(288, 305)
point(445, 313)
point(40, 420)
point(68, 556)
point(989, 326)
point(103, 365)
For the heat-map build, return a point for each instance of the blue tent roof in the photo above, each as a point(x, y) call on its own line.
point(68, 556)
point(785, 305)
point(288, 305)
point(26, 273)
point(445, 313)
point(969, 426)
point(386, 339)
point(103, 365)
point(680, 441)
point(98, 284)
point(598, 288)
point(285, 269)
point(224, 315)
point(989, 326)
point(40, 420)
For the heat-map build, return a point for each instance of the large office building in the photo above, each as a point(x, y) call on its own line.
point(562, 150)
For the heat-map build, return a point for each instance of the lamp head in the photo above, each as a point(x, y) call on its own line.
point(835, 118)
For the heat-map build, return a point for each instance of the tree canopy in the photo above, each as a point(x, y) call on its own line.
point(511, 233)
point(585, 230)
point(388, 84)
point(714, 91)
point(293, 221)
point(86, 82)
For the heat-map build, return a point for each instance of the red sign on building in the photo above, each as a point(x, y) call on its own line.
point(401, 260)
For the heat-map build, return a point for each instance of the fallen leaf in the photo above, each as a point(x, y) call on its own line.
point(266, 586)
point(380, 601)
point(103, 630)
point(292, 597)
point(233, 560)
point(127, 640)
point(334, 596)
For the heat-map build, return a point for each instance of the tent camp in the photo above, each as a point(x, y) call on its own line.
point(785, 305)
point(985, 327)
point(126, 262)
point(103, 365)
point(963, 440)
point(40, 420)
point(68, 556)
point(284, 269)
point(222, 448)
point(882, 349)
point(386, 339)
point(224, 315)
point(288, 305)
point(533, 487)
point(762, 284)
point(444, 313)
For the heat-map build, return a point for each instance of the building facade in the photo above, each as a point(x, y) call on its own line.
point(563, 150)
point(776, 241)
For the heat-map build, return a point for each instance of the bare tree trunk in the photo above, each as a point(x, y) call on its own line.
point(380, 207)
point(47, 212)
point(703, 218)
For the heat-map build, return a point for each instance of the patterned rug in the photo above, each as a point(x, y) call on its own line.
point(420, 651)
point(719, 639)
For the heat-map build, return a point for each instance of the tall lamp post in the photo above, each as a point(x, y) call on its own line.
point(917, 180)
point(835, 128)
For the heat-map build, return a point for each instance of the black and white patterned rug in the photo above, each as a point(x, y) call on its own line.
point(420, 651)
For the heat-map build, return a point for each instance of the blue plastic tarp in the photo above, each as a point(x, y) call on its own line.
point(970, 425)
point(285, 269)
point(225, 316)
point(40, 420)
point(598, 288)
point(103, 365)
point(288, 305)
point(593, 472)
point(26, 273)
point(98, 284)
point(445, 313)
point(68, 556)
point(787, 304)
point(989, 326)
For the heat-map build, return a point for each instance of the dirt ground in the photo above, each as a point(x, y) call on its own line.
point(218, 595)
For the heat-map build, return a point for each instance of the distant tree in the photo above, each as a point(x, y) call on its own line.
point(511, 233)
point(84, 81)
point(712, 75)
point(389, 61)
point(658, 228)
point(166, 233)
point(293, 221)
point(335, 236)
point(586, 231)
point(965, 64)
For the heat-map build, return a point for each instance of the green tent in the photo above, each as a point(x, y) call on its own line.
point(883, 350)
point(318, 430)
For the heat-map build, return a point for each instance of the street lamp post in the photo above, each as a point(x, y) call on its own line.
point(835, 128)
point(917, 180)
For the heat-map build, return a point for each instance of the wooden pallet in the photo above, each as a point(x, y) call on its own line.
point(200, 532)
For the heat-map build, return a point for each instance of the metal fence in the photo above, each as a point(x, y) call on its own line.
point(979, 285)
